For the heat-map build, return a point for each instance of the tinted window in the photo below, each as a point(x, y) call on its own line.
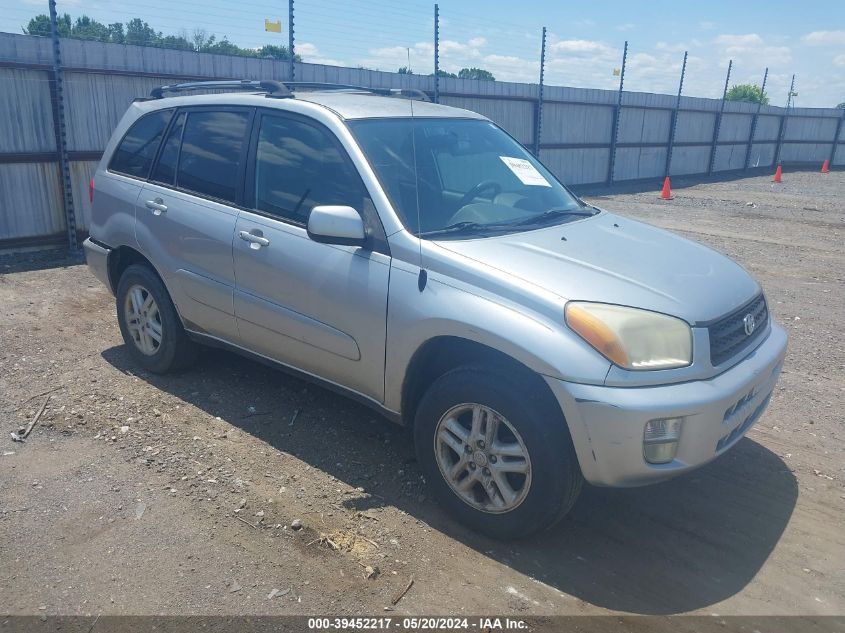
point(165, 171)
point(136, 151)
point(299, 166)
point(211, 153)
point(462, 177)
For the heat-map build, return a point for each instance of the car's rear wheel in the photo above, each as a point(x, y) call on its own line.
point(496, 451)
point(148, 321)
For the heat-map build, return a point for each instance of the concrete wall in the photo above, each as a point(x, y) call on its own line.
point(577, 123)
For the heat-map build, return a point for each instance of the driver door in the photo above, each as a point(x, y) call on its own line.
point(320, 308)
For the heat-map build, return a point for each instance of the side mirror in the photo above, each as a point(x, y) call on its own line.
point(330, 224)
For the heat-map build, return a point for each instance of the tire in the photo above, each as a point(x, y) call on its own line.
point(173, 351)
point(552, 479)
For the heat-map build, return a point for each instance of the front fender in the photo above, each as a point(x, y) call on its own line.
point(543, 345)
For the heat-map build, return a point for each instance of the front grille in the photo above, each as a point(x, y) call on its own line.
point(727, 335)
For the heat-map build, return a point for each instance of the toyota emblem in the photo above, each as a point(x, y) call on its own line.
point(749, 324)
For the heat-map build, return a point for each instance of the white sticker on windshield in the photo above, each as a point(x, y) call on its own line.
point(525, 171)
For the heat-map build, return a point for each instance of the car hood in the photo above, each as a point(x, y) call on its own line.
point(611, 259)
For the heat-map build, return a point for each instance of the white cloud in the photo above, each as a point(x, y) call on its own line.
point(751, 50)
point(671, 48)
point(311, 54)
point(839, 60)
point(391, 58)
point(578, 47)
point(825, 38)
point(625, 27)
point(739, 41)
point(511, 67)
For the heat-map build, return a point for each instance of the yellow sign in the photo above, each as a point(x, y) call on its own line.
point(616, 72)
point(273, 27)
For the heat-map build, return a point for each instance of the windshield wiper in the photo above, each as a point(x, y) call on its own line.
point(557, 212)
point(459, 227)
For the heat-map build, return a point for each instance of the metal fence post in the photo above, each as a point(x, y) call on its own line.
point(836, 136)
point(61, 130)
point(754, 121)
point(783, 120)
point(436, 54)
point(538, 119)
point(611, 163)
point(674, 125)
point(717, 125)
point(291, 42)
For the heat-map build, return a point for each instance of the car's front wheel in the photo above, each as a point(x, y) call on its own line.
point(496, 451)
point(148, 321)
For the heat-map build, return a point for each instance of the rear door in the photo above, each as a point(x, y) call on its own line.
point(187, 213)
point(120, 182)
point(318, 307)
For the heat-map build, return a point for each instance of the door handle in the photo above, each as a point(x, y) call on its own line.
point(254, 238)
point(157, 206)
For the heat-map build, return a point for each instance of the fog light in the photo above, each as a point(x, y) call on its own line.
point(660, 440)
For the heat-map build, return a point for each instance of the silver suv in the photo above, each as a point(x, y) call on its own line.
point(418, 259)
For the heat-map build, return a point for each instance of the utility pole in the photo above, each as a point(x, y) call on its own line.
point(538, 131)
point(616, 114)
point(291, 41)
point(754, 120)
point(675, 116)
point(436, 54)
point(61, 129)
point(784, 119)
point(717, 125)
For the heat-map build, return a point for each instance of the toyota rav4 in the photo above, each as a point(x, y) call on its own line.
point(418, 259)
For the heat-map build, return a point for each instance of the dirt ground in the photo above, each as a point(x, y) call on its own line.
point(140, 494)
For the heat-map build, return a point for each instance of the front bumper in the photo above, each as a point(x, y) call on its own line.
point(97, 258)
point(607, 423)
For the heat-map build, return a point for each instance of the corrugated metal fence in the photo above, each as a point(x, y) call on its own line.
point(102, 79)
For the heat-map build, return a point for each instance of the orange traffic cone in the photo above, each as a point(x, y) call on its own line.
point(778, 175)
point(666, 194)
point(825, 167)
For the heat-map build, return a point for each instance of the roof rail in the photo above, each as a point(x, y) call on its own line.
point(410, 93)
point(273, 88)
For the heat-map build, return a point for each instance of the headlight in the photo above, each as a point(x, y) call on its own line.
point(632, 338)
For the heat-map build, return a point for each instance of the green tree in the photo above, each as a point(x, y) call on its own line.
point(443, 73)
point(476, 73)
point(841, 106)
point(116, 33)
point(140, 33)
point(276, 52)
point(225, 47)
point(86, 28)
point(178, 42)
point(748, 93)
point(40, 25)
point(405, 71)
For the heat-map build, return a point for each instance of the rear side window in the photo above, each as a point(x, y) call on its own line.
point(212, 146)
point(299, 166)
point(165, 171)
point(134, 156)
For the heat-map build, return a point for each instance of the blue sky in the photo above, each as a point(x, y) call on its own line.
point(584, 38)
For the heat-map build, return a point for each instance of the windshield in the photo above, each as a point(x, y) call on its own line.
point(471, 178)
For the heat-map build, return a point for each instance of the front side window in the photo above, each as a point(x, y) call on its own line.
point(299, 166)
point(452, 177)
point(134, 156)
point(212, 146)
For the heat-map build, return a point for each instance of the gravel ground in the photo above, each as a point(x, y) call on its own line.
point(140, 494)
